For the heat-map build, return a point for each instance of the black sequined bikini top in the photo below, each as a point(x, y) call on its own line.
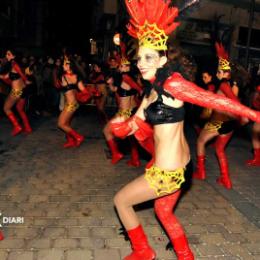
point(124, 92)
point(159, 113)
point(69, 86)
point(14, 76)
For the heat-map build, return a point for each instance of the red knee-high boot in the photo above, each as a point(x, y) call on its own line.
point(148, 145)
point(256, 160)
point(116, 155)
point(77, 137)
point(16, 126)
point(1, 235)
point(164, 210)
point(221, 143)
point(70, 142)
point(200, 172)
point(20, 109)
point(140, 246)
point(134, 161)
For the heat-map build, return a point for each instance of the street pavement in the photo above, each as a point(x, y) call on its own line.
point(65, 198)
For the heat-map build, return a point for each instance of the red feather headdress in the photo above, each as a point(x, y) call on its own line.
point(223, 63)
point(151, 21)
point(124, 58)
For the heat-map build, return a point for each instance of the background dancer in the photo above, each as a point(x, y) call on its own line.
point(126, 89)
point(220, 125)
point(17, 96)
point(69, 83)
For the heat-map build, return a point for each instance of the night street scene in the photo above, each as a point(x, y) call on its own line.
point(130, 130)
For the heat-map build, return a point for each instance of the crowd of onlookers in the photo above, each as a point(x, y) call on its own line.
point(44, 99)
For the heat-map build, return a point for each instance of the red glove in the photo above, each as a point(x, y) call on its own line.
point(94, 91)
point(144, 130)
point(187, 91)
point(83, 96)
point(121, 129)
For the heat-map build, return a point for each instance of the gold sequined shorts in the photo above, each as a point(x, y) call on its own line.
point(71, 107)
point(126, 113)
point(164, 181)
point(213, 126)
point(221, 127)
point(16, 93)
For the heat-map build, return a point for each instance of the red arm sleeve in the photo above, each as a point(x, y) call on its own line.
point(56, 81)
point(226, 89)
point(98, 79)
point(211, 88)
point(128, 80)
point(187, 91)
point(7, 81)
point(19, 71)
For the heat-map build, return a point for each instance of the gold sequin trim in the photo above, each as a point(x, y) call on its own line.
point(16, 93)
point(163, 181)
point(71, 107)
point(213, 126)
point(125, 113)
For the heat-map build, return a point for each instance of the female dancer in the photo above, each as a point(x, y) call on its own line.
point(220, 125)
point(163, 108)
point(17, 95)
point(97, 77)
point(255, 132)
point(126, 89)
point(69, 83)
point(204, 116)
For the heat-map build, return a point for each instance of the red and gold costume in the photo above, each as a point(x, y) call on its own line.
point(256, 105)
point(221, 123)
point(70, 88)
point(99, 90)
point(127, 88)
point(16, 74)
point(151, 22)
point(122, 93)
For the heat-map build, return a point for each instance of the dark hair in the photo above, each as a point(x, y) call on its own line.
point(117, 77)
point(210, 72)
point(12, 50)
point(75, 67)
point(163, 53)
point(99, 64)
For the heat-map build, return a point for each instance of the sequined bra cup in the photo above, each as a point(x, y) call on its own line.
point(69, 86)
point(14, 76)
point(158, 113)
point(126, 93)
